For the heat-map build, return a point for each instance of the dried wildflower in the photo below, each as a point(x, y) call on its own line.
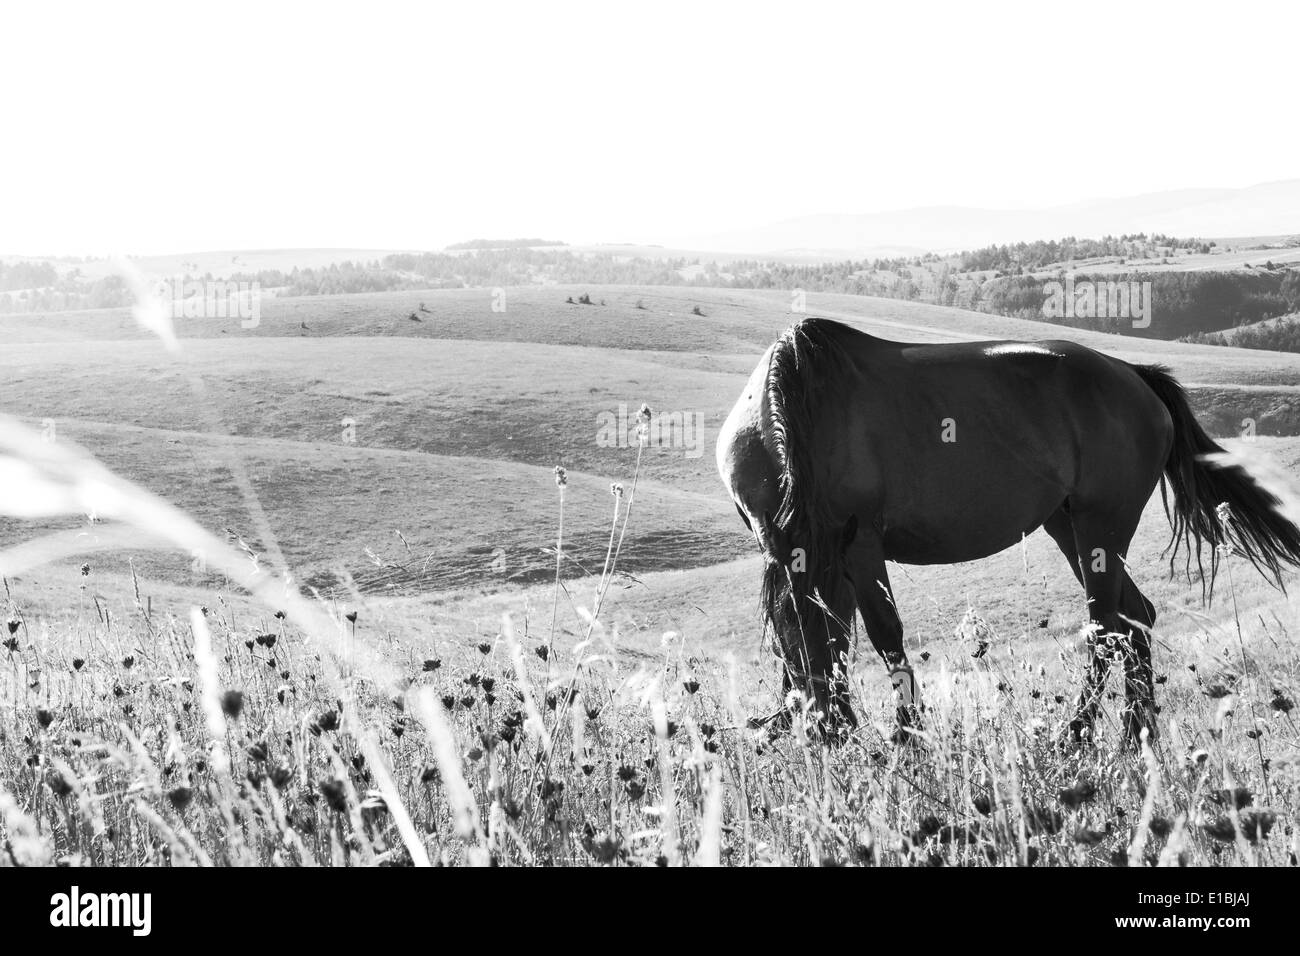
point(1086, 836)
point(1082, 792)
point(432, 664)
point(44, 717)
point(325, 722)
point(643, 424)
point(180, 797)
point(1281, 702)
point(85, 570)
point(128, 662)
point(1042, 820)
point(78, 663)
point(485, 648)
point(929, 826)
point(1240, 797)
point(351, 616)
point(232, 703)
point(551, 789)
point(691, 685)
point(561, 476)
point(335, 794)
point(1254, 826)
point(543, 652)
point(606, 849)
point(616, 490)
point(1160, 827)
point(12, 624)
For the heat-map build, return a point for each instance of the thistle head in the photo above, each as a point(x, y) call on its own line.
point(643, 423)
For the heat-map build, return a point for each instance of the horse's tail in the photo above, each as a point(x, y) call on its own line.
point(1202, 484)
point(805, 572)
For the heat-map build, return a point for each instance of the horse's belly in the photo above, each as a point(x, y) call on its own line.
point(970, 530)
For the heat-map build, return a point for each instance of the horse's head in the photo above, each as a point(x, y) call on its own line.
point(808, 600)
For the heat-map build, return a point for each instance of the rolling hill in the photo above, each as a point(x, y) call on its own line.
point(410, 460)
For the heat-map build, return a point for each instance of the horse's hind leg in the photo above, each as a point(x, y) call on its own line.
point(1061, 528)
point(884, 627)
point(1139, 685)
point(1100, 542)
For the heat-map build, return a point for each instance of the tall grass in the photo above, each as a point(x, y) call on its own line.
point(288, 739)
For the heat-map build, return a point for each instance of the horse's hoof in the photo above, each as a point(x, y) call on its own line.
point(775, 723)
point(1080, 731)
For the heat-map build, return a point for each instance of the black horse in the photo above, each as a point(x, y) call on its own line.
point(846, 450)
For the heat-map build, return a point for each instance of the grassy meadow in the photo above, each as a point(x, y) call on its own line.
point(429, 689)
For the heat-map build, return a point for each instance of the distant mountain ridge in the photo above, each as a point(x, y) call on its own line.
point(1267, 209)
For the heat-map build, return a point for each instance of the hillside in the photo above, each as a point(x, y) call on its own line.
point(401, 456)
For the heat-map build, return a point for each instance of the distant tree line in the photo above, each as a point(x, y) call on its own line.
point(37, 287)
point(1031, 256)
point(27, 275)
point(1281, 336)
point(1182, 303)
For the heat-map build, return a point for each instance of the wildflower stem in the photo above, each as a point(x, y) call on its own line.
point(555, 596)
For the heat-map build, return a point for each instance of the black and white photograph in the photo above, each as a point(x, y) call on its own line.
point(676, 435)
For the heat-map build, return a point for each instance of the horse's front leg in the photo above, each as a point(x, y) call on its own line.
point(885, 629)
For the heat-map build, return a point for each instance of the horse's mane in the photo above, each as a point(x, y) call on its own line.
point(806, 362)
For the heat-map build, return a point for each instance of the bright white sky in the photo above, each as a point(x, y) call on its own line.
point(166, 128)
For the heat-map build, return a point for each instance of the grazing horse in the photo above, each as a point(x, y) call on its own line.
point(846, 451)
